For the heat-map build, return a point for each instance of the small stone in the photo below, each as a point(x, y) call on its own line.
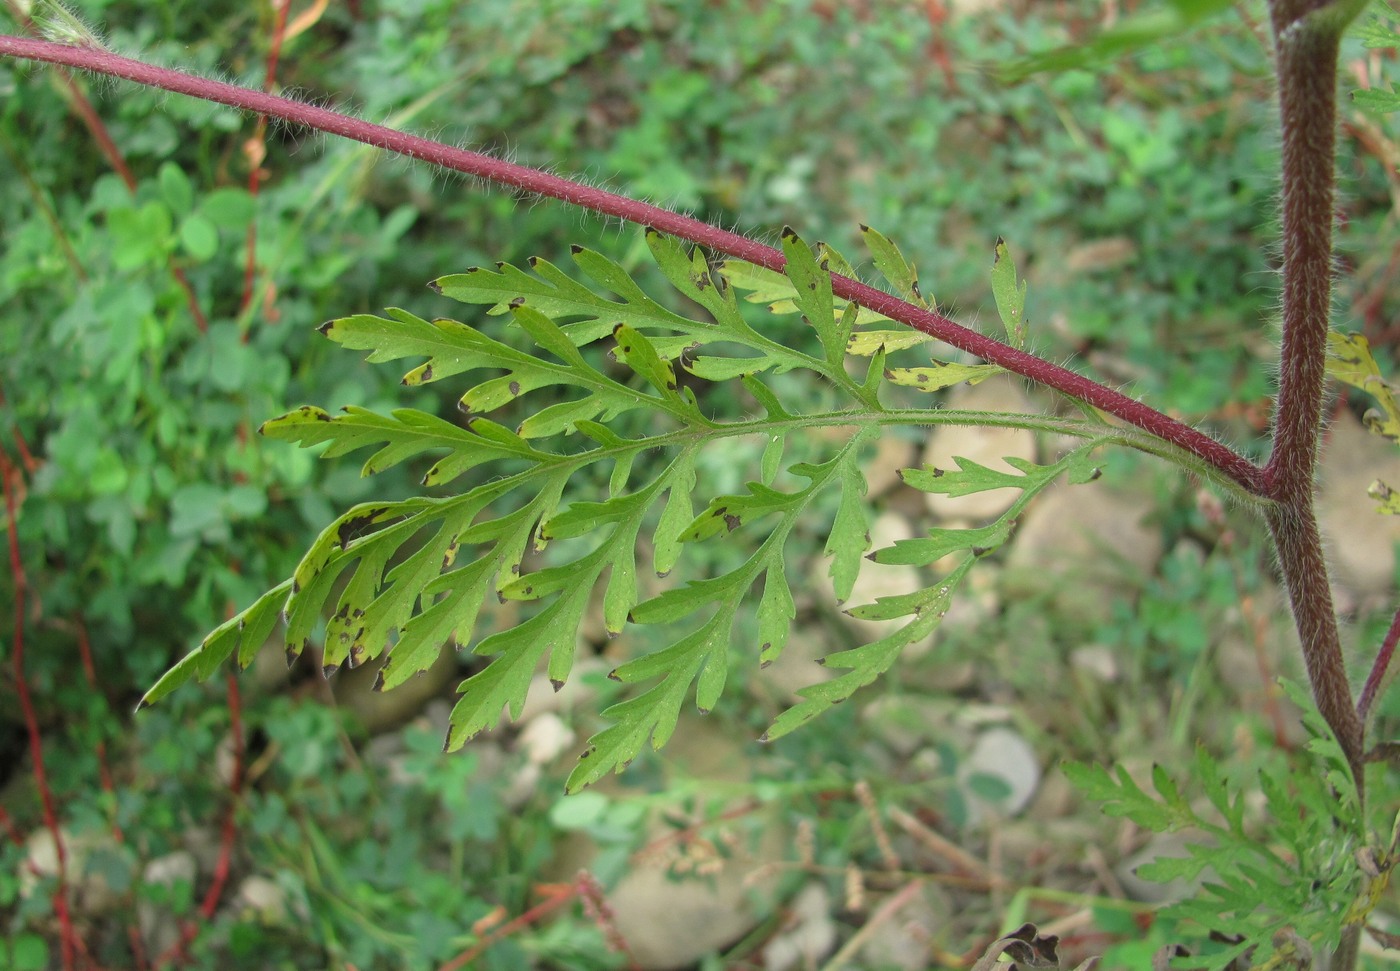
point(985, 446)
point(160, 928)
point(262, 899)
point(1003, 754)
point(809, 934)
point(1360, 541)
point(546, 738)
point(1096, 660)
point(881, 580)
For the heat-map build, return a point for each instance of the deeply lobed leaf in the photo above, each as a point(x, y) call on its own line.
point(408, 576)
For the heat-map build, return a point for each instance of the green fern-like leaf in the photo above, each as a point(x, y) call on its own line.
point(608, 395)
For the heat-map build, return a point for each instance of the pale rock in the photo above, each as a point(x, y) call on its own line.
point(1001, 752)
point(545, 738)
point(905, 941)
point(92, 894)
point(1084, 545)
point(797, 667)
point(892, 453)
point(576, 693)
point(261, 899)
point(1096, 660)
point(160, 928)
point(1360, 541)
point(985, 446)
point(808, 935)
point(679, 903)
point(880, 580)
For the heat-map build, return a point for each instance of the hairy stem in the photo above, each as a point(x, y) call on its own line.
point(1231, 463)
point(1306, 40)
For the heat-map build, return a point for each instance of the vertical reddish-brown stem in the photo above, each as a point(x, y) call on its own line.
point(1306, 55)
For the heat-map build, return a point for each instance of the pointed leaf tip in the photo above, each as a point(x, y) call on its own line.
point(789, 233)
point(557, 684)
point(326, 327)
point(575, 249)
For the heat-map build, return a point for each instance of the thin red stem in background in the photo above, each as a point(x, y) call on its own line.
point(556, 895)
point(256, 149)
point(1220, 456)
point(68, 938)
point(30, 463)
point(595, 905)
point(1372, 686)
point(227, 836)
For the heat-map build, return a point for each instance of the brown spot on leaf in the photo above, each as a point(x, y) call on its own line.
point(557, 684)
point(612, 675)
point(355, 526)
point(733, 522)
point(426, 374)
point(789, 233)
point(292, 655)
point(329, 669)
point(518, 302)
point(357, 653)
point(514, 387)
point(437, 287)
point(533, 261)
point(325, 328)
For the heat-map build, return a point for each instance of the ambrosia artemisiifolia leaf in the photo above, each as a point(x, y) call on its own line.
point(584, 417)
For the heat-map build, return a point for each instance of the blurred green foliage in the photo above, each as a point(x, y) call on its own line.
point(1141, 195)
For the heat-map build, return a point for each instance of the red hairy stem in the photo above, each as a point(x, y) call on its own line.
point(1306, 52)
point(1218, 455)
